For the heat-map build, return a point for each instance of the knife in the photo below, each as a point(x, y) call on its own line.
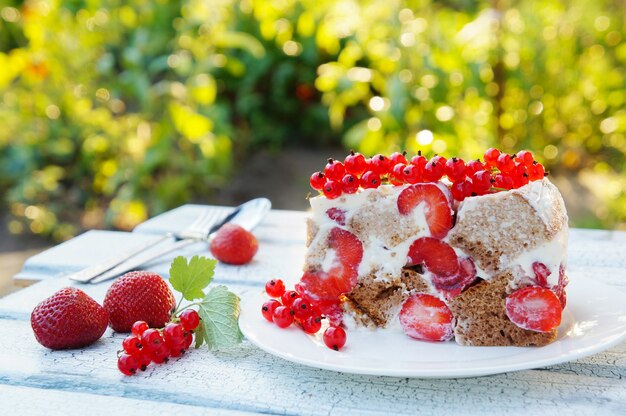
point(247, 215)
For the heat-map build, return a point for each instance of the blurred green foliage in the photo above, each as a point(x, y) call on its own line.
point(118, 109)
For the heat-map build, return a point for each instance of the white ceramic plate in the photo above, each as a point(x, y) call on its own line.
point(594, 320)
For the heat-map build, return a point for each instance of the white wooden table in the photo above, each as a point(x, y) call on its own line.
point(245, 380)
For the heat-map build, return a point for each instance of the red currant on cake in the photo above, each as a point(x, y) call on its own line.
point(332, 189)
point(434, 170)
point(334, 170)
point(275, 288)
point(349, 183)
point(536, 171)
point(355, 163)
point(491, 157)
point(381, 164)
point(398, 157)
point(455, 169)
point(505, 163)
point(396, 177)
point(335, 337)
point(370, 179)
point(411, 174)
point(525, 157)
point(481, 182)
point(474, 166)
point(317, 181)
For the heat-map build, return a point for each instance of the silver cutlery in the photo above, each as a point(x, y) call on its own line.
point(247, 215)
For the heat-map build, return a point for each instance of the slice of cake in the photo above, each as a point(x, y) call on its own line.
point(439, 248)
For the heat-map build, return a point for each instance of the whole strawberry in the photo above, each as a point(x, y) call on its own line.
point(68, 319)
point(234, 245)
point(139, 296)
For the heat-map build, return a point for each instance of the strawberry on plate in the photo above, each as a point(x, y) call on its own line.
point(139, 296)
point(534, 308)
point(427, 318)
point(437, 207)
point(68, 319)
point(323, 288)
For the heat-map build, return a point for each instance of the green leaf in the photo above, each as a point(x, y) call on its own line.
point(219, 311)
point(191, 278)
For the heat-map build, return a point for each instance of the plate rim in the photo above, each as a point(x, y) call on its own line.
point(609, 341)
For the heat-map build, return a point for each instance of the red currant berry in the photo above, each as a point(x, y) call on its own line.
point(455, 169)
point(505, 163)
point(332, 189)
point(433, 171)
point(301, 309)
point(398, 157)
point(151, 339)
point(355, 163)
point(317, 181)
point(144, 358)
point(268, 309)
point(139, 327)
point(370, 179)
point(289, 297)
point(190, 319)
point(275, 288)
point(349, 183)
point(491, 157)
point(503, 181)
point(536, 171)
point(161, 354)
point(128, 364)
point(474, 166)
point(461, 189)
point(481, 182)
point(177, 350)
point(334, 170)
point(312, 324)
point(525, 157)
point(188, 336)
point(396, 177)
point(519, 175)
point(439, 159)
point(381, 164)
point(411, 174)
point(283, 316)
point(132, 345)
point(419, 161)
point(173, 334)
point(334, 337)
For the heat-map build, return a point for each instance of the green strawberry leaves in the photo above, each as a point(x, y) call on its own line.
point(191, 278)
point(219, 309)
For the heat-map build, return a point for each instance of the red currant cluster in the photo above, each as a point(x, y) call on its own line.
point(293, 308)
point(499, 172)
point(147, 345)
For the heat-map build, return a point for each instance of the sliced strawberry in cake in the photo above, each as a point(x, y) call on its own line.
point(433, 201)
point(337, 275)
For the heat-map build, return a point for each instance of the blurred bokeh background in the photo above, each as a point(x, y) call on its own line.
point(112, 111)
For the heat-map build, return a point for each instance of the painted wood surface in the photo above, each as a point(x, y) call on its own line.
point(244, 380)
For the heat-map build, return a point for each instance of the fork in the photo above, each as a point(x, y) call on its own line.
point(199, 228)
